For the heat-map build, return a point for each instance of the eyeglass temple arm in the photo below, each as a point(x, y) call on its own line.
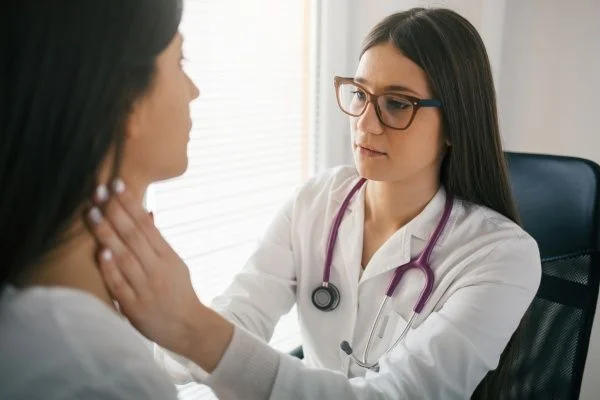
point(429, 103)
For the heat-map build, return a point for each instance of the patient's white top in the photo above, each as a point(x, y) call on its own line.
point(58, 343)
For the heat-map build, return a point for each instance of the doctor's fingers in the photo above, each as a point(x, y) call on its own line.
point(117, 284)
point(131, 234)
point(121, 270)
point(136, 213)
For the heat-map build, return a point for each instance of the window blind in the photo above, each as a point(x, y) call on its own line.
point(251, 143)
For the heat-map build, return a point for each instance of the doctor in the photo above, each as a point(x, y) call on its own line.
point(409, 269)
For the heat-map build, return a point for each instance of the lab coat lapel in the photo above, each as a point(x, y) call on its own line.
point(350, 238)
point(426, 222)
point(393, 253)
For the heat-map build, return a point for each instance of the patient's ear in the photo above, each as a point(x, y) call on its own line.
point(136, 120)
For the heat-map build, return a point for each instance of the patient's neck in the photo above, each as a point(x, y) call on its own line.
point(73, 263)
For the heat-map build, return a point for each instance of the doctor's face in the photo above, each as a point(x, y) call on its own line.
point(385, 154)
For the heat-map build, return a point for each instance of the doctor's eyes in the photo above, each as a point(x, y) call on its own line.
point(359, 95)
point(397, 104)
point(390, 103)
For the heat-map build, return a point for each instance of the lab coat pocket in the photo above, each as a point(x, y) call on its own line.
point(405, 313)
point(388, 330)
point(400, 325)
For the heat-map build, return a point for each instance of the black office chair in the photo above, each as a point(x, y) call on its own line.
point(558, 199)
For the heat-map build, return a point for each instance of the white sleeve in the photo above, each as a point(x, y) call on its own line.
point(260, 294)
point(178, 368)
point(445, 357)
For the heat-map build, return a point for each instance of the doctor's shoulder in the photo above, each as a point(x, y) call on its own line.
point(504, 247)
point(319, 189)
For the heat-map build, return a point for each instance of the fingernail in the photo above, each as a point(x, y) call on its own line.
point(101, 193)
point(95, 215)
point(106, 255)
point(118, 186)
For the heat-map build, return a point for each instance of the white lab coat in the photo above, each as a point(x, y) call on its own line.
point(487, 271)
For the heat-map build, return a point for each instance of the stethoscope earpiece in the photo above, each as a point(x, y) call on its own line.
point(326, 297)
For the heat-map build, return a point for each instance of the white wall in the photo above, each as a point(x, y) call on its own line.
point(545, 55)
point(550, 77)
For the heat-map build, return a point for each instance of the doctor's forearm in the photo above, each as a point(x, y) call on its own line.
point(240, 365)
point(208, 338)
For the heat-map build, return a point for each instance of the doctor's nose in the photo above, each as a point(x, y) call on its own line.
point(369, 122)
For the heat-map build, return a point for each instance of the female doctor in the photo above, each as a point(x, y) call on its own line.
point(409, 270)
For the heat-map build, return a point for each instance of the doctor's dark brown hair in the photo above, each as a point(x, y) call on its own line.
point(450, 51)
point(70, 72)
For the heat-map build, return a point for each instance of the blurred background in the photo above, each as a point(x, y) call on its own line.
point(267, 119)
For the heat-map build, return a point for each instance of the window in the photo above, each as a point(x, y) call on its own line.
point(251, 143)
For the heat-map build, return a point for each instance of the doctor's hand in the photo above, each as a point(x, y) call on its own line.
point(151, 282)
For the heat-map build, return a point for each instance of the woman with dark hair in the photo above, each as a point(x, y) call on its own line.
point(409, 269)
point(90, 90)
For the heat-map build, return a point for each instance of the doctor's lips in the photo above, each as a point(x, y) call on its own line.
point(369, 151)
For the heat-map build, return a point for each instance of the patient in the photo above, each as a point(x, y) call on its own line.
point(89, 90)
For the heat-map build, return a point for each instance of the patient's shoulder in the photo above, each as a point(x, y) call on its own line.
point(68, 343)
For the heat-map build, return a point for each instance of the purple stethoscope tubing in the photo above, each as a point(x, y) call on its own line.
point(420, 262)
point(335, 228)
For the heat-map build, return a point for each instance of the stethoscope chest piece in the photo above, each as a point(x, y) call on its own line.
point(326, 297)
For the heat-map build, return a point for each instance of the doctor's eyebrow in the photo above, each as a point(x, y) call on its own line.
point(390, 88)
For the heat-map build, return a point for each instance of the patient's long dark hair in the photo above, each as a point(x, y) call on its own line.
point(70, 72)
point(450, 51)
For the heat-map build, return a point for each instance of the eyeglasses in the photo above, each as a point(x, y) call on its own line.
point(394, 110)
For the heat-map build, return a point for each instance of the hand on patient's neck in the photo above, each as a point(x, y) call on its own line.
point(73, 263)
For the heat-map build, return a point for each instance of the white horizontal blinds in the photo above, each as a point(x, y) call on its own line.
point(249, 146)
point(314, 98)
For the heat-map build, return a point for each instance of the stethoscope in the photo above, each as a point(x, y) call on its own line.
point(326, 297)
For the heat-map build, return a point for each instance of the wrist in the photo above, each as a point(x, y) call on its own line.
point(209, 337)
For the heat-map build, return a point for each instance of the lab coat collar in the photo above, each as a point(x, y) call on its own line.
point(423, 225)
point(348, 247)
point(339, 193)
point(397, 249)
